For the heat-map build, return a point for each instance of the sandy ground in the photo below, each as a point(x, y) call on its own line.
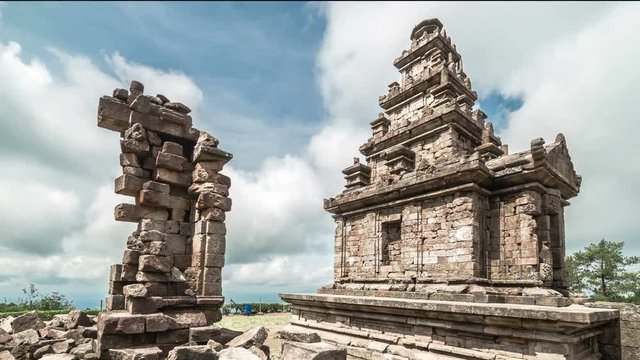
point(273, 323)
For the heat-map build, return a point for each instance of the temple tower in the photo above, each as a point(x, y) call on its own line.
point(445, 243)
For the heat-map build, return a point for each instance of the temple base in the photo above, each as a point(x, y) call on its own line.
point(369, 327)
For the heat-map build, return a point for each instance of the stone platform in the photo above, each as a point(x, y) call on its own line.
point(393, 328)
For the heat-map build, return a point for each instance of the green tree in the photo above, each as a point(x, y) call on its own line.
point(601, 271)
point(54, 301)
point(32, 293)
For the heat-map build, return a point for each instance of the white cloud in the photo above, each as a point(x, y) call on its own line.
point(282, 272)
point(275, 211)
point(584, 87)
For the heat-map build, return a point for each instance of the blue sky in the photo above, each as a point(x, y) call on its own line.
point(257, 58)
point(289, 88)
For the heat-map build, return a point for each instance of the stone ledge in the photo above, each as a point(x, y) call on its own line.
point(571, 314)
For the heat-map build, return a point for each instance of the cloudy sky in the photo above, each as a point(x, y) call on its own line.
point(289, 88)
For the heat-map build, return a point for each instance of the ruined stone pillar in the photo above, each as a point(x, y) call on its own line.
point(168, 288)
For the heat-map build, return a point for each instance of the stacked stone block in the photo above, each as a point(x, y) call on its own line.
point(169, 282)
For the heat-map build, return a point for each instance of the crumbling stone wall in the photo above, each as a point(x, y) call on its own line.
point(168, 288)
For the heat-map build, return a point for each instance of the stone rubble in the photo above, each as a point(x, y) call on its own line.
point(312, 351)
point(66, 338)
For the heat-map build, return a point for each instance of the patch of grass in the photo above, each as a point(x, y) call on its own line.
point(243, 323)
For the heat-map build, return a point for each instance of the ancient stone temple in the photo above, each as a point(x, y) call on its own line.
point(446, 245)
point(167, 291)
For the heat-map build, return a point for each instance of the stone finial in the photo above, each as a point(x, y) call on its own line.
point(356, 161)
point(560, 138)
point(538, 151)
point(428, 26)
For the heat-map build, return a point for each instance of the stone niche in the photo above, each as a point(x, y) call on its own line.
point(452, 248)
point(168, 287)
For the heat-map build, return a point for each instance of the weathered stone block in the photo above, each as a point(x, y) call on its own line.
point(210, 165)
point(210, 227)
point(309, 351)
point(138, 147)
point(201, 352)
point(203, 334)
point(113, 114)
point(170, 147)
point(153, 276)
point(154, 199)
point(150, 225)
point(141, 306)
point(238, 353)
point(210, 153)
point(182, 261)
point(252, 337)
point(209, 243)
point(188, 318)
point(173, 227)
point(30, 320)
point(171, 161)
point(130, 159)
point(176, 244)
point(159, 322)
point(178, 336)
point(202, 175)
point(212, 281)
point(154, 123)
point(140, 353)
point(130, 257)
point(178, 215)
point(213, 200)
point(157, 248)
point(176, 178)
point(153, 263)
point(134, 213)
point(180, 203)
point(120, 322)
point(135, 291)
point(26, 336)
point(77, 318)
point(156, 186)
point(128, 185)
point(114, 302)
point(291, 333)
point(213, 214)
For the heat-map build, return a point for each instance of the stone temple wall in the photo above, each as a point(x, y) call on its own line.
point(462, 235)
